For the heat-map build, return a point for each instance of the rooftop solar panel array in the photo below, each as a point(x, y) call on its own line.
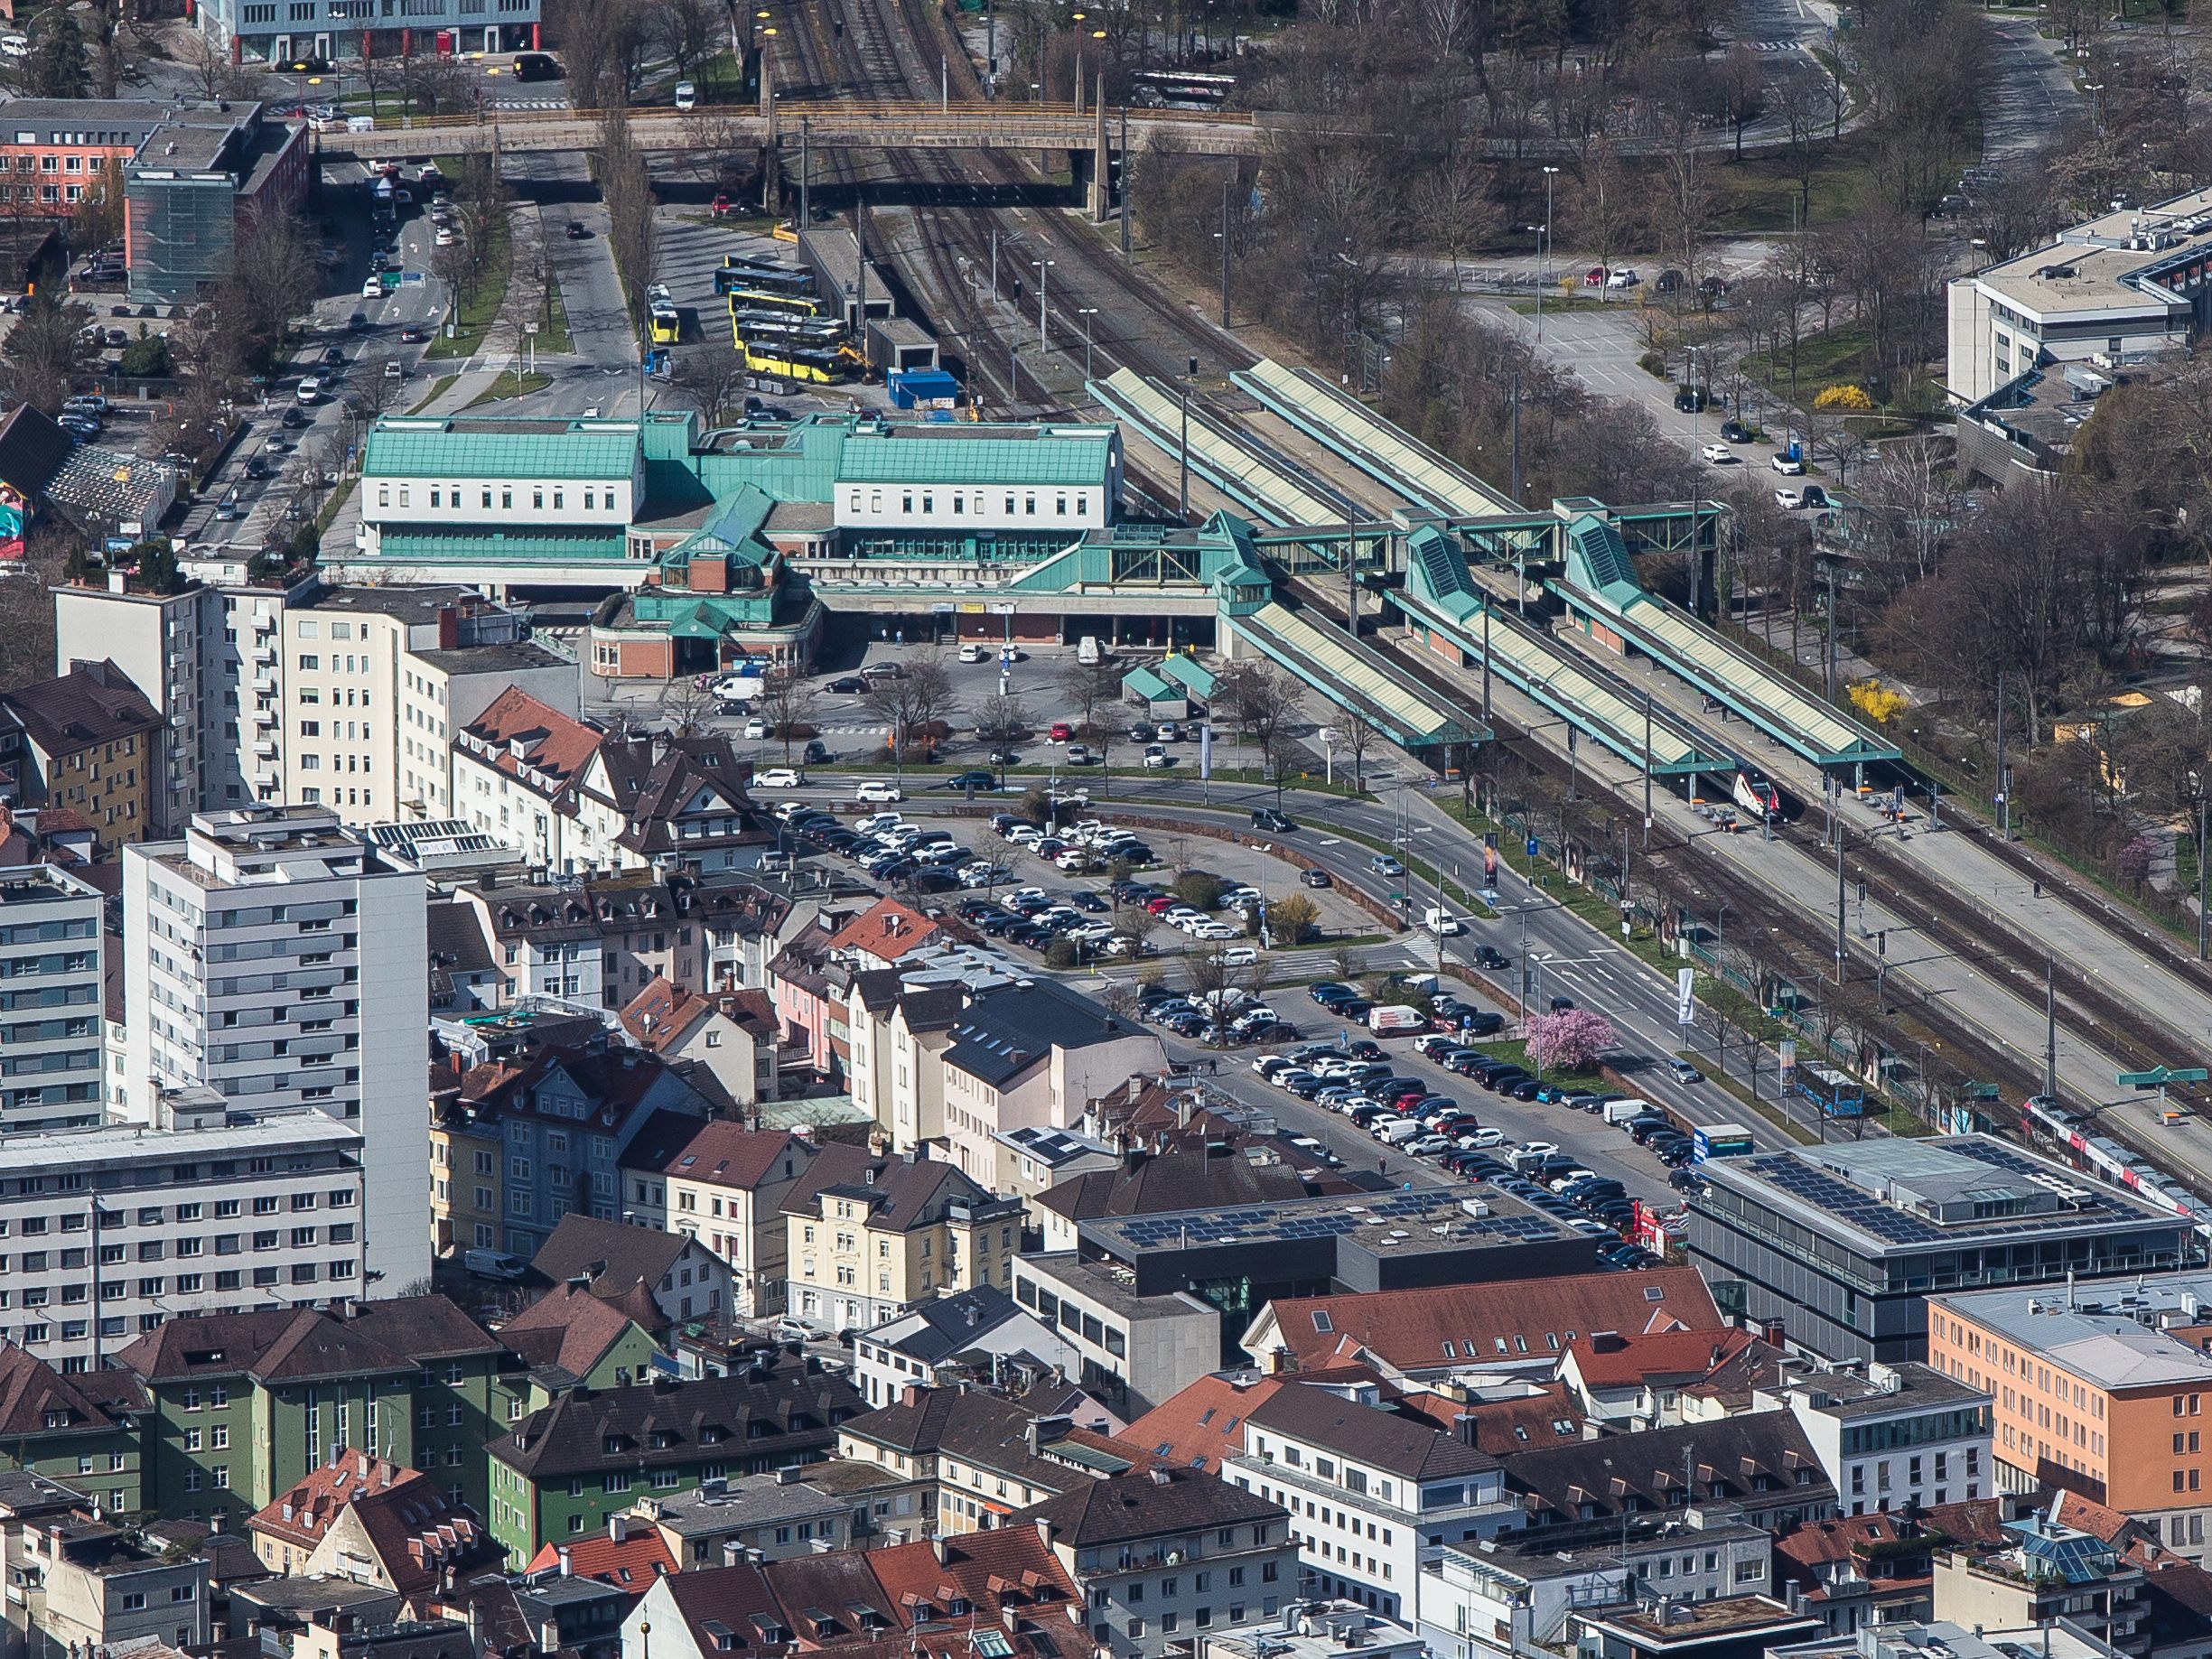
point(1833, 1194)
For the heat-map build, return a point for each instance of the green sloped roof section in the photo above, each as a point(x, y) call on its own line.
point(1143, 682)
point(1438, 572)
point(696, 623)
point(396, 547)
point(955, 458)
point(1598, 561)
point(1191, 674)
point(410, 446)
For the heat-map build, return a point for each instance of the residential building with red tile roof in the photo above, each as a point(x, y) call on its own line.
point(725, 1186)
point(1543, 1415)
point(926, 1599)
point(1204, 1423)
point(730, 1034)
point(571, 1337)
point(1523, 1324)
point(884, 932)
point(517, 768)
point(628, 1552)
point(1636, 1380)
point(366, 1518)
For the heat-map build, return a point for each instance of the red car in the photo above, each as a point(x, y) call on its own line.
point(1062, 732)
point(1160, 906)
point(1595, 276)
point(722, 206)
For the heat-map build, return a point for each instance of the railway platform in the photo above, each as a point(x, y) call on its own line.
point(1612, 607)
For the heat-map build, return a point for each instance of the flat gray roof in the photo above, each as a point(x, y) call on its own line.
point(2110, 1333)
point(1905, 1196)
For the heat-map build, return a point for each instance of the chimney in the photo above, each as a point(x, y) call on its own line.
point(562, 1554)
point(936, 1547)
point(618, 1528)
point(1606, 1342)
point(449, 627)
point(1044, 1531)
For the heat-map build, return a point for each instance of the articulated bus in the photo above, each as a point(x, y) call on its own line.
point(749, 325)
point(667, 325)
point(733, 273)
point(809, 363)
point(795, 305)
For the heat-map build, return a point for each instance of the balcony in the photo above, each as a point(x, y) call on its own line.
point(265, 749)
point(265, 714)
point(266, 684)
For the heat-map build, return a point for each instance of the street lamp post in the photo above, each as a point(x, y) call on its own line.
point(1087, 312)
point(1549, 174)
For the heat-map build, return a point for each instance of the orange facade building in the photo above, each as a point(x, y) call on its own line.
point(2105, 1390)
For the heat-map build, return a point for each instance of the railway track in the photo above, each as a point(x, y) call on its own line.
point(1803, 952)
point(1142, 328)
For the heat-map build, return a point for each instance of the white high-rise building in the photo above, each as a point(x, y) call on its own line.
point(52, 1000)
point(275, 956)
point(216, 1212)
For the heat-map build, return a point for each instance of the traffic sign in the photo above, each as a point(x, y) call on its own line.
point(1533, 846)
point(2158, 1076)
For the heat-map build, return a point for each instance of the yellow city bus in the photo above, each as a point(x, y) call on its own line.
point(667, 325)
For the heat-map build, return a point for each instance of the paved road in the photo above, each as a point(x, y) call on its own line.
point(284, 453)
point(2030, 97)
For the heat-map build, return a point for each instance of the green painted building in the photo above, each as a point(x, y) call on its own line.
point(243, 1405)
point(564, 1470)
point(81, 1430)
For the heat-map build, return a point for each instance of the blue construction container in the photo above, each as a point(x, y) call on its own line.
point(922, 388)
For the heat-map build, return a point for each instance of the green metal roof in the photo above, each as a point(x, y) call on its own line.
point(407, 446)
point(1142, 681)
point(401, 547)
point(1191, 674)
point(1598, 561)
point(959, 459)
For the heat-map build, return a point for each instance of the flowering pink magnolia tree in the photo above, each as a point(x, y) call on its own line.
point(1573, 1039)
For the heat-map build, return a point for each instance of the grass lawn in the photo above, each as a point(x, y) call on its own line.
point(1758, 195)
point(1517, 1051)
point(474, 314)
point(1829, 356)
point(437, 390)
point(511, 385)
point(553, 334)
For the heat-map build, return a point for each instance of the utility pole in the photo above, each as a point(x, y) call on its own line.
point(2050, 1032)
point(1516, 436)
point(2202, 886)
point(1351, 572)
point(1124, 183)
point(1828, 651)
point(1226, 183)
point(1183, 476)
point(1486, 657)
point(1839, 910)
point(1647, 769)
point(2004, 788)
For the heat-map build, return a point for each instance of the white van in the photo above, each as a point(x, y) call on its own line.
point(1087, 652)
point(494, 1263)
point(1442, 923)
point(1618, 1112)
point(1395, 1131)
point(686, 94)
point(1395, 1020)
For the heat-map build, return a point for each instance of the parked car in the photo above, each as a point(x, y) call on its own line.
point(1625, 277)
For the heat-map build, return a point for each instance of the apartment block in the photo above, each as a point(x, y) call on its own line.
point(1162, 1554)
point(867, 1237)
point(1902, 1436)
point(51, 999)
point(88, 741)
point(105, 1233)
point(275, 956)
point(2101, 1390)
point(337, 696)
point(1368, 1491)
